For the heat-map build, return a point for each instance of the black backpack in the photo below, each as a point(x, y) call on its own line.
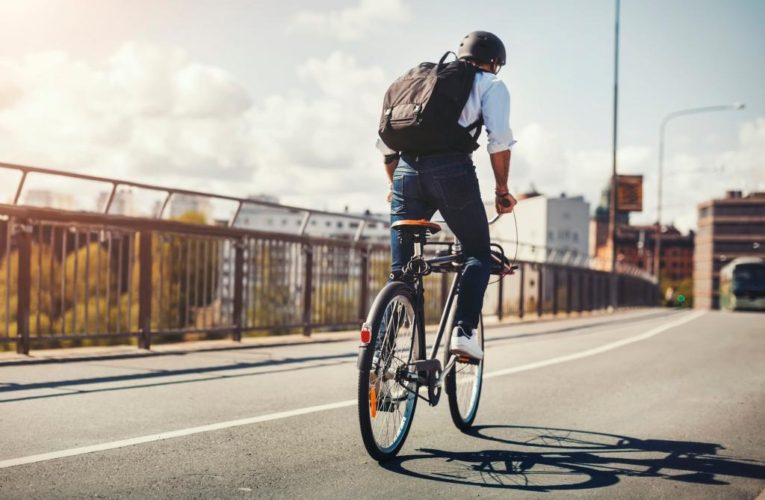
point(421, 109)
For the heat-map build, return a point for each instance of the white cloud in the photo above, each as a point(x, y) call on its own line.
point(541, 159)
point(747, 163)
point(320, 149)
point(148, 114)
point(351, 23)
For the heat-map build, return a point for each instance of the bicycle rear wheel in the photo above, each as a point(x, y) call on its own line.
point(463, 386)
point(387, 390)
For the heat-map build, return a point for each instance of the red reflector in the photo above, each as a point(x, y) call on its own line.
point(366, 335)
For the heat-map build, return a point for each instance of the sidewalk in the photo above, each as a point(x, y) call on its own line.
point(124, 351)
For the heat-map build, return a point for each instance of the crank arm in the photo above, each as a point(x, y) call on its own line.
point(449, 366)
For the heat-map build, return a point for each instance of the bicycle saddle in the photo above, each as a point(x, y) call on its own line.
point(416, 226)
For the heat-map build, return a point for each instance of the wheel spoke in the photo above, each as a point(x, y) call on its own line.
point(394, 351)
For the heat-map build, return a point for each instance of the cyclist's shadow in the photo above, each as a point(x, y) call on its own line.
point(550, 459)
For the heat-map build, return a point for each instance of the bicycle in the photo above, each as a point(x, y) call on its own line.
point(392, 361)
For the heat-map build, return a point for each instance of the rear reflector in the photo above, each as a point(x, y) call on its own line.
point(366, 334)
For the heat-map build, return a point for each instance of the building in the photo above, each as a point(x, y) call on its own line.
point(282, 220)
point(548, 229)
point(635, 246)
point(600, 241)
point(122, 204)
point(730, 227)
point(49, 199)
point(282, 276)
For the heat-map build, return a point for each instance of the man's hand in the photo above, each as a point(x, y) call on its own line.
point(389, 198)
point(504, 202)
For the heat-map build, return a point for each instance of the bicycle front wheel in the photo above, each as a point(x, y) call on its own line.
point(387, 391)
point(463, 386)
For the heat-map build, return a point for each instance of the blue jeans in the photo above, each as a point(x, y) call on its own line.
point(446, 183)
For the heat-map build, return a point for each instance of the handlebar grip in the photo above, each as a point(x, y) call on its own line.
point(504, 202)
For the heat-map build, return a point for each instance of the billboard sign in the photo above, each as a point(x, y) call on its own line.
point(629, 193)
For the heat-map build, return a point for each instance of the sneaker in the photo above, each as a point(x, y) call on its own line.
point(464, 344)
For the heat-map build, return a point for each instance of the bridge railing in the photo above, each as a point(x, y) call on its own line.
point(79, 278)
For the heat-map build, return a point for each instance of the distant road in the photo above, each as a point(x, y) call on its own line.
point(645, 404)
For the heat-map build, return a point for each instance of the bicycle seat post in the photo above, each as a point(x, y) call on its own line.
point(419, 243)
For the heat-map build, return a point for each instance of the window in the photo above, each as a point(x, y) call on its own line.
point(353, 225)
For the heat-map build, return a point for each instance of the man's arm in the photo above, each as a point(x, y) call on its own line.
point(495, 109)
point(503, 200)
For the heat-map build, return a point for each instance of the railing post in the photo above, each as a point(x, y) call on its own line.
point(238, 289)
point(555, 291)
point(144, 289)
point(540, 290)
point(569, 289)
point(580, 294)
point(520, 293)
point(307, 290)
point(24, 246)
point(364, 285)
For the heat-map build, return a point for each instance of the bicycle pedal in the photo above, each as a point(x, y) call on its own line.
point(467, 360)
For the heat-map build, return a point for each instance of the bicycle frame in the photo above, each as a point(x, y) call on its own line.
point(440, 264)
point(415, 270)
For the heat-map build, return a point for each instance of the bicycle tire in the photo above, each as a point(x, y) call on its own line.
point(386, 406)
point(463, 386)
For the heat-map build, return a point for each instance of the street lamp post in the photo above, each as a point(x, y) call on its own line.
point(612, 202)
point(662, 130)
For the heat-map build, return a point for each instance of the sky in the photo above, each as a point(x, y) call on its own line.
point(244, 97)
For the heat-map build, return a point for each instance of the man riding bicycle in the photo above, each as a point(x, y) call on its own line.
point(423, 180)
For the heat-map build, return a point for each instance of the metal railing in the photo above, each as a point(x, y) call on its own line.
point(68, 278)
point(79, 278)
point(170, 192)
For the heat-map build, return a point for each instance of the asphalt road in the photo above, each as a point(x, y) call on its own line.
point(646, 404)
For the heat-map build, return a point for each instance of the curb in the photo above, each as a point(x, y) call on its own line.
point(76, 354)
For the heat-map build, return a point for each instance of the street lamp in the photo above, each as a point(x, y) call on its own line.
point(690, 111)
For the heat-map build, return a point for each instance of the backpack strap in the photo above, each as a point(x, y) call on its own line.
point(477, 126)
point(443, 59)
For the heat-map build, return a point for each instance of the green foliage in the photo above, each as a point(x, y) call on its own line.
point(679, 288)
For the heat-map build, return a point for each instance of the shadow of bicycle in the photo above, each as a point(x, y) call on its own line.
point(548, 459)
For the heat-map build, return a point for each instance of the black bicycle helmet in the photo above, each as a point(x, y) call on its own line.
point(483, 47)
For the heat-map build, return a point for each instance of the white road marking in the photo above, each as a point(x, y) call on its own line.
point(320, 408)
point(596, 350)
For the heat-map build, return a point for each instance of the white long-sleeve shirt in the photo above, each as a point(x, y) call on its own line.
point(489, 98)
